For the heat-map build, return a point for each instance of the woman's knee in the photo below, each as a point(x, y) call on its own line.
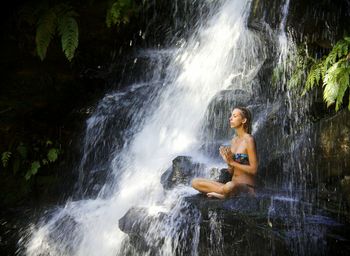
point(196, 182)
point(228, 188)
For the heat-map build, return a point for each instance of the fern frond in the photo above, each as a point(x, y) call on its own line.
point(331, 86)
point(5, 157)
point(314, 75)
point(45, 31)
point(343, 81)
point(118, 12)
point(339, 50)
point(334, 70)
point(69, 32)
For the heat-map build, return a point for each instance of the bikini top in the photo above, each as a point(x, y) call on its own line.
point(241, 158)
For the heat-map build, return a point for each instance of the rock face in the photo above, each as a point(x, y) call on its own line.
point(181, 172)
point(136, 223)
point(262, 225)
point(303, 18)
point(331, 143)
point(238, 226)
point(216, 129)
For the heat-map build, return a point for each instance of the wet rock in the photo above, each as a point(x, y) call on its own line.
point(224, 176)
point(275, 225)
point(136, 223)
point(216, 129)
point(333, 147)
point(303, 18)
point(181, 172)
point(345, 187)
point(151, 232)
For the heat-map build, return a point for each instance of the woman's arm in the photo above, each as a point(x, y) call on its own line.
point(250, 168)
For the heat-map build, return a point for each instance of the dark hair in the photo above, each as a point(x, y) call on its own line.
point(248, 115)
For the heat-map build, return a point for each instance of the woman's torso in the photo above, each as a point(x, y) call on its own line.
point(240, 155)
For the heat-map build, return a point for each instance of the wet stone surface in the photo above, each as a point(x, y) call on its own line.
point(262, 225)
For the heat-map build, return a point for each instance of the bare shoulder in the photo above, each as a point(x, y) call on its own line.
point(249, 139)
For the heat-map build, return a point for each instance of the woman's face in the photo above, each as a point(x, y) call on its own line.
point(236, 118)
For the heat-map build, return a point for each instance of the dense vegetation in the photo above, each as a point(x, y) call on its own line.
point(51, 72)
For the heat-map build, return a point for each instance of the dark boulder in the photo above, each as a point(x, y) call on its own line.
point(262, 225)
point(181, 172)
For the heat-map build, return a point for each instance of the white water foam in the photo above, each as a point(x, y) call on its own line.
point(221, 50)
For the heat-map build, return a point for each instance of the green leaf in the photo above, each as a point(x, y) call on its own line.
point(69, 32)
point(5, 157)
point(118, 12)
point(48, 143)
point(52, 155)
point(45, 32)
point(33, 170)
point(331, 86)
point(27, 176)
point(334, 70)
point(343, 81)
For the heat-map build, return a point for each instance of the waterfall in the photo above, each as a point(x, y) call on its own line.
point(165, 125)
point(282, 37)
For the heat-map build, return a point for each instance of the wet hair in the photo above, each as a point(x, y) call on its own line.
point(248, 115)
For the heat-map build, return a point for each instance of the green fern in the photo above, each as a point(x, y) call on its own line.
point(52, 155)
point(334, 70)
point(5, 157)
point(45, 32)
point(118, 12)
point(336, 82)
point(69, 32)
point(61, 19)
point(300, 62)
point(315, 75)
point(34, 167)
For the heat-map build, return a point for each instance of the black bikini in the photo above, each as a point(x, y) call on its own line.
point(242, 159)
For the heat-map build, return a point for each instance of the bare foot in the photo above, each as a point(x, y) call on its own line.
point(215, 195)
point(210, 194)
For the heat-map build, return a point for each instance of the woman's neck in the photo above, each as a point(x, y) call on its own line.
point(240, 132)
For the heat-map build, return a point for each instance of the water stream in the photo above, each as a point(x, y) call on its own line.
point(134, 134)
point(160, 127)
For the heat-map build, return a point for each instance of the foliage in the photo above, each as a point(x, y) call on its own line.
point(301, 63)
point(292, 71)
point(62, 19)
point(118, 12)
point(52, 155)
point(333, 71)
point(29, 158)
point(34, 167)
point(5, 157)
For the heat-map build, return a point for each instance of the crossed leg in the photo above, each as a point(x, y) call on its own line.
point(220, 190)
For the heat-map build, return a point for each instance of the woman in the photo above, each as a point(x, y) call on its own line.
point(241, 159)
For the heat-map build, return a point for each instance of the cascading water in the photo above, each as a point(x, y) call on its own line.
point(160, 128)
point(305, 226)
